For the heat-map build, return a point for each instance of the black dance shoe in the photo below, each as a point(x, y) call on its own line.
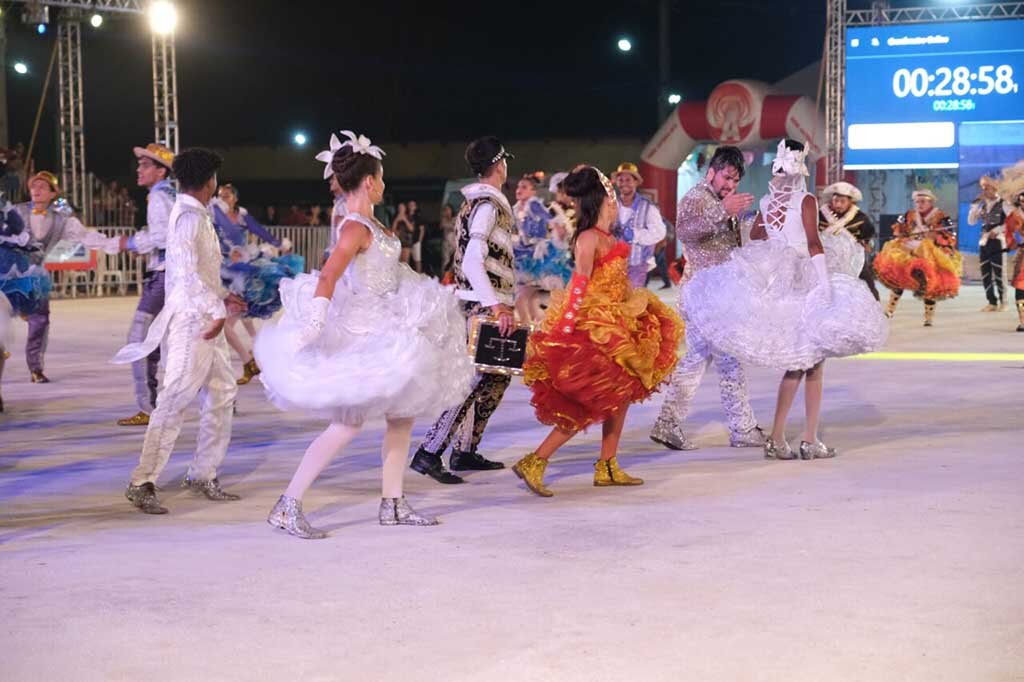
point(472, 461)
point(429, 464)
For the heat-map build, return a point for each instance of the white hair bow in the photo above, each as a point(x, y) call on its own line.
point(327, 155)
point(789, 161)
point(361, 145)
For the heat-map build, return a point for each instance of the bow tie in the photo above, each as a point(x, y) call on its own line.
point(39, 211)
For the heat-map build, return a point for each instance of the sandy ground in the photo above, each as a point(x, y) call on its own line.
point(899, 560)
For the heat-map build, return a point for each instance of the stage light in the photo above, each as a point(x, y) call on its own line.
point(675, 98)
point(625, 45)
point(21, 68)
point(96, 20)
point(163, 17)
point(41, 29)
point(299, 139)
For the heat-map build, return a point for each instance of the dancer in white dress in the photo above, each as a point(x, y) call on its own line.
point(789, 299)
point(365, 338)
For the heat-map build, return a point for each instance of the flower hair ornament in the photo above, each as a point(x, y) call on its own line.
point(361, 145)
point(789, 161)
point(327, 155)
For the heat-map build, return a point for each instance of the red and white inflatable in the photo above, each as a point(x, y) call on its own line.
point(743, 113)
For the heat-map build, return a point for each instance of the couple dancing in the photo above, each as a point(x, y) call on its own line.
point(787, 300)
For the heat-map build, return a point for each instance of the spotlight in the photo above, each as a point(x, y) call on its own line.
point(41, 29)
point(675, 98)
point(96, 20)
point(20, 67)
point(163, 17)
point(299, 139)
point(625, 45)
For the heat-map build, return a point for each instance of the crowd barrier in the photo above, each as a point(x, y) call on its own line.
point(122, 274)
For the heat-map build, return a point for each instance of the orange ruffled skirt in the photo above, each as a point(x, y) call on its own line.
point(624, 346)
point(928, 271)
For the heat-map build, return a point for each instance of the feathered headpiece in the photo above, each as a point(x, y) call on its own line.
point(1011, 182)
point(789, 161)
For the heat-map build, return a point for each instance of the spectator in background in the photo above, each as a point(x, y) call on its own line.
point(433, 245)
point(316, 218)
point(448, 236)
point(296, 216)
point(403, 229)
point(416, 220)
point(14, 167)
point(270, 215)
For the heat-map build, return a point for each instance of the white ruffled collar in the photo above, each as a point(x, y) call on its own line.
point(480, 189)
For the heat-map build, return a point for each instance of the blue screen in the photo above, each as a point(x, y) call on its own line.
point(937, 75)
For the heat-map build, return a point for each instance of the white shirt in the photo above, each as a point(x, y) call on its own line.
point(193, 262)
point(153, 238)
point(74, 231)
point(653, 229)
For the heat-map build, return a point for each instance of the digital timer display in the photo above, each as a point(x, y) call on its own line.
point(909, 86)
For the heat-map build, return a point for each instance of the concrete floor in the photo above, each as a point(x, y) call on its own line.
point(900, 560)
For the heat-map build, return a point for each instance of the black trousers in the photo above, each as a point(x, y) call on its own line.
point(991, 258)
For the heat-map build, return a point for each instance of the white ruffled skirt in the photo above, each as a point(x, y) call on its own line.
point(402, 354)
point(761, 306)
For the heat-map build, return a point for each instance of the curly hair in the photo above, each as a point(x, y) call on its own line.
point(194, 167)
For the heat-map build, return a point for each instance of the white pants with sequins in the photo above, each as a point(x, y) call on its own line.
point(732, 382)
point(194, 367)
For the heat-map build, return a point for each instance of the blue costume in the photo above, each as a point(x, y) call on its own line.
point(539, 261)
point(23, 279)
point(246, 272)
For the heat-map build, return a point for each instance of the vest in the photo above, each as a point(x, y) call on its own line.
point(57, 214)
point(499, 261)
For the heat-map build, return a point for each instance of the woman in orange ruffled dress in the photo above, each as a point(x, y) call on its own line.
point(921, 256)
point(602, 346)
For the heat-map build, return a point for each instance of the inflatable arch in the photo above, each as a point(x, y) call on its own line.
point(747, 114)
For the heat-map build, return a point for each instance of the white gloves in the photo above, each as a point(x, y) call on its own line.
point(317, 320)
point(823, 283)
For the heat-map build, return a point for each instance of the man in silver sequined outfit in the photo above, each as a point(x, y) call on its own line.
point(707, 227)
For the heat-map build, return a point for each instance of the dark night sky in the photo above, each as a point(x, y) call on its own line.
point(253, 71)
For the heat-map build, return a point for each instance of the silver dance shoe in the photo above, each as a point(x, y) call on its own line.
point(773, 450)
point(144, 498)
point(816, 450)
point(287, 515)
point(667, 433)
point(211, 489)
point(395, 511)
point(754, 438)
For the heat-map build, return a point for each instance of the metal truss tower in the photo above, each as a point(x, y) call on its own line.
point(835, 86)
point(72, 127)
point(165, 92)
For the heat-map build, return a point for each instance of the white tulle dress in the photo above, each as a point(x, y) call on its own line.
point(394, 343)
point(763, 306)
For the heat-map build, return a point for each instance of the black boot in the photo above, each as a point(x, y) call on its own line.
point(472, 461)
point(430, 464)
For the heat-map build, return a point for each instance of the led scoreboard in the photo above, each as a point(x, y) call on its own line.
point(910, 86)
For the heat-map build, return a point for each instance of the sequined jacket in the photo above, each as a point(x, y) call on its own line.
point(706, 232)
point(910, 224)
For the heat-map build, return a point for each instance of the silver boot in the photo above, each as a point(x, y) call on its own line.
point(773, 450)
point(397, 512)
point(211, 489)
point(666, 432)
point(816, 450)
point(144, 497)
point(287, 515)
point(754, 438)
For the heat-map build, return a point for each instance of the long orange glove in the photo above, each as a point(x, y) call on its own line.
point(577, 288)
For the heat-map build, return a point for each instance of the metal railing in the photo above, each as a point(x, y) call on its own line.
point(123, 273)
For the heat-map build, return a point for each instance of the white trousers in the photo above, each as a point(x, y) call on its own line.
point(193, 367)
point(732, 382)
